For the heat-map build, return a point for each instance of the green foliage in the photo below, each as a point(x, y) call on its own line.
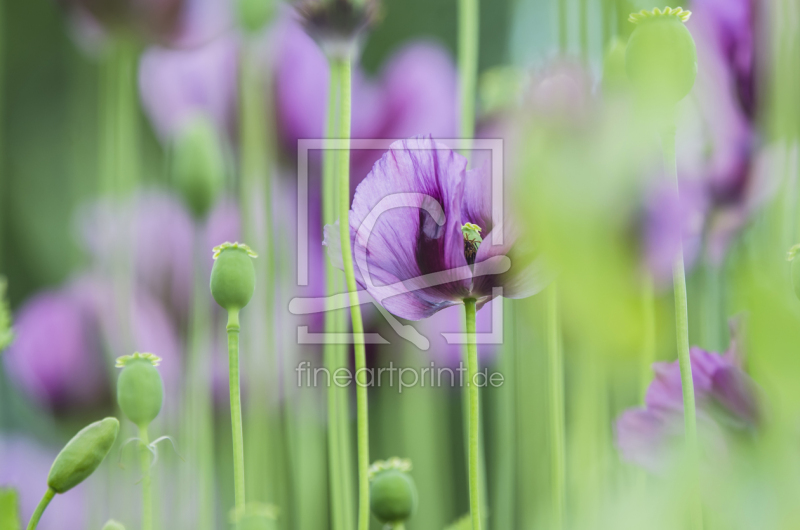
point(82, 455)
point(9, 509)
point(465, 523)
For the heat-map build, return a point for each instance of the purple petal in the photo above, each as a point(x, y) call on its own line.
point(645, 438)
point(737, 393)
point(177, 85)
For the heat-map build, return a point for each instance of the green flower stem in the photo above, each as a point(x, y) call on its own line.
point(682, 332)
point(556, 387)
point(37, 514)
point(649, 334)
point(468, 40)
point(147, 491)
point(236, 410)
point(343, 172)
point(563, 41)
point(475, 503)
point(339, 461)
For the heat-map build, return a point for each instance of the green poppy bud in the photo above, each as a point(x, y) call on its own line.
point(795, 264)
point(233, 277)
point(392, 492)
point(661, 57)
point(199, 165)
point(82, 455)
point(254, 14)
point(140, 390)
point(111, 524)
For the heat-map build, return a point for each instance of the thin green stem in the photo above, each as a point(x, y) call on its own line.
point(475, 504)
point(556, 386)
point(682, 333)
point(343, 172)
point(649, 334)
point(37, 514)
point(563, 40)
point(468, 41)
point(236, 410)
point(147, 491)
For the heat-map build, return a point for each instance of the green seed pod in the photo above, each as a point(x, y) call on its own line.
point(392, 492)
point(615, 79)
point(199, 165)
point(81, 456)
point(233, 277)
point(111, 524)
point(661, 57)
point(254, 14)
point(140, 390)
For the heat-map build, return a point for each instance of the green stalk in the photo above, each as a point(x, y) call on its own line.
point(334, 355)
point(468, 40)
point(682, 332)
point(556, 386)
point(37, 514)
point(584, 29)
point(563, 41)
point(343, 172)
point(147, 492)
point(649, 335)
point(236, 411)
point(475, 503)
point(505, 434)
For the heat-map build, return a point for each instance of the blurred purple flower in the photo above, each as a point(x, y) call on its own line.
point(178, 84)
point(406, 232)
point(57, 356)
point(24, 466)
point(727, 401)
point(413, 95)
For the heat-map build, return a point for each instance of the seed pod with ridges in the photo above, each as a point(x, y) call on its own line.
point(140, 389)
point(82, 455)
point(199, 165)
point(661, 57)
point(392, 492)
point(233, 277)
point(111, 524)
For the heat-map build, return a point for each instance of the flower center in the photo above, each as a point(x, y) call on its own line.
point(472, 241)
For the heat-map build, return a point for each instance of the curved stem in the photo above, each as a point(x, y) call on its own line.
point(682, 332)
point(343, 172)
point(236, 410)
point(37, 514)
point(474, 417)
point(147, 492)
point(468, 39)
point(556, 376)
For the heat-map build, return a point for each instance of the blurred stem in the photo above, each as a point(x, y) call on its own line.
point(468, 41)
point(37, 514)
point(682, 332)
point(505, 435)
point(712, 306)
point(343, 171)
point(236, 411)
point(334, 354)
point(584, 25)
point(475, 503)
point(557, 437)
point(147, 492)
point(563, 42)
point(649, 333)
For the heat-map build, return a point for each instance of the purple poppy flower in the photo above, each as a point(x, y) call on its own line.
point(24, 466)
point(727, 401)
point(57, 356)
point(407, 229)
point(411, 96)
point(179, 84)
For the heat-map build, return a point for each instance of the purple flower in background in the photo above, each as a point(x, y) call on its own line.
point(57, 356)
point(413, 95)
point(24, 466)
point(178, 84)
point(415, 225)
point(727, 402)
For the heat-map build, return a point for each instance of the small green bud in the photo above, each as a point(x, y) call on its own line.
point(199, 165)
point(140, 390)
point(254, 14)
point(111, 524)
point(82, 455)
point(661, 57)
point(233, 277)
point(392, 492)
